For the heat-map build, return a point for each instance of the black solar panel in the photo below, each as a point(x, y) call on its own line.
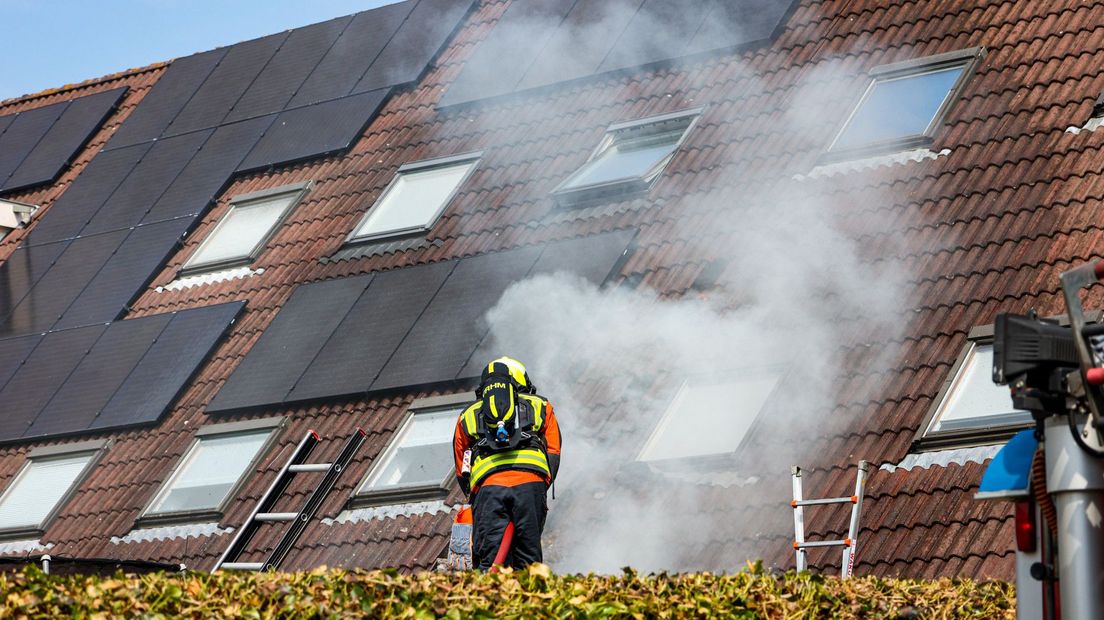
point(125, 275)
point(447, 333)
point(40, 377)
point(415, 44)
point(315, 130)
point(589, 257)
point(144, 186)
point(209, 171)
point(23, 134)
point(289, 68)
point(5, 121)
point(168, 366)
point(577, 47)
point(22, 269)
point(52, 294)
point(737, 23)
point(76, 126)
point(171, 92)
point(373, 329)
point(150, 179)
point(638, 43)
point(13, 352)
point(352, 54)
point(88, 192)
point(225, 85)
point(98, 376)
point(499, 62)
point(289, 344)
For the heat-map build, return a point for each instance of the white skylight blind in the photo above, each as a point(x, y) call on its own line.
point(419, 456)
point(208, 472)
point(711, 415)
point(38, 488)
point(973, 401)
point(242, 232)
point(415, 198)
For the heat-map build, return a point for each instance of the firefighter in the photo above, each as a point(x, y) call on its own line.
point(507, 452)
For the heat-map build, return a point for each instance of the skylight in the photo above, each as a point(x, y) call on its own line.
point(711, 415)
point(242, 233)
point(39, 488)
point(209, 471)
point(973, 409)
point(420, 456)
point(416, 197)
point(905, 103)
point(630, 157)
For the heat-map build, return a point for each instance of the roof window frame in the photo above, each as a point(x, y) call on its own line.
point(274, 426)
point(722, 460)
point(968, 59)
point(411, 492)
point(97, 448)
point(621, 132)
point(414, 167)
point(298, 190)
point(926, 440)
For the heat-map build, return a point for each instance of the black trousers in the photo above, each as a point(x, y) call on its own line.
point(494, 507)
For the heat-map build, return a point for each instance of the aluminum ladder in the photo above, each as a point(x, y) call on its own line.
point(849, 544)
point(262, 512)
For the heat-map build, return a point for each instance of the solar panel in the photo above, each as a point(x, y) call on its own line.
point(22, 269)
point(315, 130)
point(40, 377)
point(5, 121)
point(65, 280)
point(24, 133)
point(13, 352)
point(289, 344)
point(157, 170)
point(125, 275)
point(289, 68)
point(88, 192)
point(578, 46)
point(519, 36)
point(414, 45)
point(209, 171)
point(76, 126)
point(589, 257)
point(447, 333)
point(372, 330)
point(97, 377)
point(168, 366)
point(736, 23)
point(352, 54)
point(165, 99)
point(221, 90)
point(638, 44)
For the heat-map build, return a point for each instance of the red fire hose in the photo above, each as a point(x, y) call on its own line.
point(504, 548)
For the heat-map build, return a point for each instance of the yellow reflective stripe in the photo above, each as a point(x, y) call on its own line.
point(469, 420)
point(538, 410)
point(484, 465)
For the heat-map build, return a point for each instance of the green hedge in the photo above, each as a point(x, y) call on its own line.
point(535, 593)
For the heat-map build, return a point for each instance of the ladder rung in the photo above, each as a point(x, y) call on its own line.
point(276, 516)
point(846, 542)
point(242, 565)
point(305, 467)
point(830, 500)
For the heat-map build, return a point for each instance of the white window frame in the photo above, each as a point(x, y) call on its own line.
point(213, 431)
point(567, 193)
point(411, 492)
point(672, 406)
point(296, 191)
point(984, 433)
point(413, 168)
point(967, 59)
point(95, 449)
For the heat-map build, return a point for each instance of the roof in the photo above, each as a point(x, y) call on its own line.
point(1004, 200)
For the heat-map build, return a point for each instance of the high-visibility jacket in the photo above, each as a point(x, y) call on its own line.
point(539, 458)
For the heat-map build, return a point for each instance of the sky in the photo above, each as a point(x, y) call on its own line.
point(50, 43)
